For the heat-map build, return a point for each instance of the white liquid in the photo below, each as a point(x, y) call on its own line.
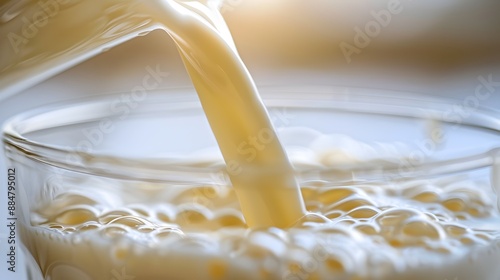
point(264, 181)
point(410, 230)
point(379, 230)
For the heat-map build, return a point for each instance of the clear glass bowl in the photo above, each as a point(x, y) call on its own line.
point(123, 153)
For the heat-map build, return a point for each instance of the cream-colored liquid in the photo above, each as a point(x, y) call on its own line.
point(264, 180)
point(379, 230)
point(405, 230)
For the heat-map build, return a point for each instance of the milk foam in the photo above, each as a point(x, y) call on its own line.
point(406, 229)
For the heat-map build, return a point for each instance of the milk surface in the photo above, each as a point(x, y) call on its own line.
point(262, 224)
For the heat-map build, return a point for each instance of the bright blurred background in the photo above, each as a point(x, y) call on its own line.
point(429, 47)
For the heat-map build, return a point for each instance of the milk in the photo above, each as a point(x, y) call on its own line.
point(268, 193)
point(415, 229)
point(261, 225)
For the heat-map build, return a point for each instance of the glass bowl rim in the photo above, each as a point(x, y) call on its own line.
point(350, 99)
